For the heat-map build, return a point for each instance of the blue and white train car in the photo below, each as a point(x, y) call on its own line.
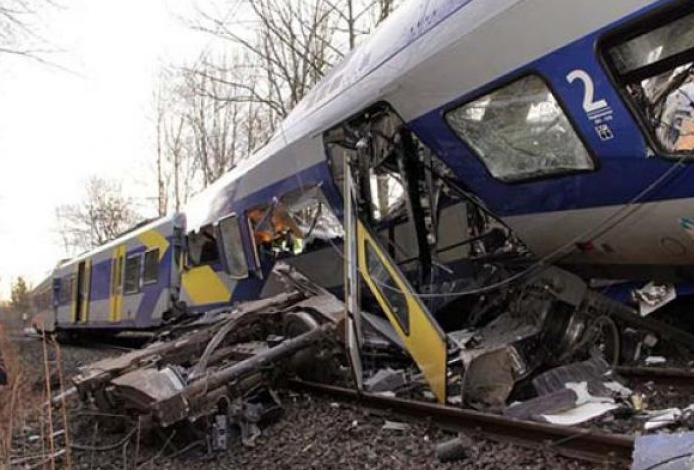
point(129, 283)
point(569, 122)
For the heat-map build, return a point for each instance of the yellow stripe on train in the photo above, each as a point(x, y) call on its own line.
point(203, 286)
point(424, 340)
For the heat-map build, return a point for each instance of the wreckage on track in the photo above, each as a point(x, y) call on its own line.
point(506, 235)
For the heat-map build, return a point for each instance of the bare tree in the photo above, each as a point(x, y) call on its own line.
point(213, 113)
point(203, 129)
point(293, 45)
point(20, 28)
point(102, 215)
point(176, 166)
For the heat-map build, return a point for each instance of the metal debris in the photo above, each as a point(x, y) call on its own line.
point(395, 426)
point(224, 367)
point(385, 380)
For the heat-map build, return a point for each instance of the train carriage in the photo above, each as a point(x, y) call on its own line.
point(129, 283)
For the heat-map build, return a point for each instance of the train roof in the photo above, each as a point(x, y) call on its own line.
point(413, 61)
point(127, 235)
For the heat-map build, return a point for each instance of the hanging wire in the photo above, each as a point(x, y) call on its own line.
point(605, 225)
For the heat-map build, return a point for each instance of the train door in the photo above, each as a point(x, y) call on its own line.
point(116, 297)
point(386, 238)
point(78, 301)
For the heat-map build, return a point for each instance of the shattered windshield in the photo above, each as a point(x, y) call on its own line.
point(521, 132)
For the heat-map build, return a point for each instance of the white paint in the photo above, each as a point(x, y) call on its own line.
point(589, 103)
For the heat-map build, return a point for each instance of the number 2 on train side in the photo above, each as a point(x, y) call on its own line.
point(590, 105)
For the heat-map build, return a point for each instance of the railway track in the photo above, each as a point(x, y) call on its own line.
point(571, 442)
point(675, 377)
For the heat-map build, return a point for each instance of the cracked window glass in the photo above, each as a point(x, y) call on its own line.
point(656, 69)
point(520, 132)
point(653, 46)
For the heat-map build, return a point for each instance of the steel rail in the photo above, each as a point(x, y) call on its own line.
point(571, 442)
point(676, 377)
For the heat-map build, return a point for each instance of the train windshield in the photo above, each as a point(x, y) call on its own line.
point(656, 70)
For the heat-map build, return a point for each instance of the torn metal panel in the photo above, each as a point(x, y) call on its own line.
point(555, 402)
point(653, 296)
point(593, 370)
point(664, 452)
point(580, 414)
point(142, 387)
point(385, 380)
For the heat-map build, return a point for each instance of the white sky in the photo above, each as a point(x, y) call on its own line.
point(58, 128)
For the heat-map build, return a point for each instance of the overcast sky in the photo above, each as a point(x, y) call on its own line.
point(58, 128)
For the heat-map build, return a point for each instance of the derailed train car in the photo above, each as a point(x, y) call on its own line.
point(466, 147)
point(129, 283)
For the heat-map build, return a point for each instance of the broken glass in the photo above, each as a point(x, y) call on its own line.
point(653, 46)
point(658, 71)
point(520, 132)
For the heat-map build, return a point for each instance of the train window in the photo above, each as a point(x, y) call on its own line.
point(150, 271)
point(230, 230)
point(300, 221)
point(521, 132)
point(656, 70)
point(202, 247)
point(388, 288)
point(132, 274)
point(275, 231)
point(311, 214)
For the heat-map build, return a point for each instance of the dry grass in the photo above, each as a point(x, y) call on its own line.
point(21, 404)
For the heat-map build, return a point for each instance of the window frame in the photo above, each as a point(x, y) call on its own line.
point(221, 241)
point(144, 281)
point(127, 258)
point(632, 29)
point(487, 90)
point(371, 252)
point(214, 229)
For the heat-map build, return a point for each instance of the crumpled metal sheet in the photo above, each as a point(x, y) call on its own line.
point(595, 369)
point(142, 387)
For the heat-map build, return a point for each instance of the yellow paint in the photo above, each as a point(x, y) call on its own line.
point(153, 239)
point(203, 286)
point(425, 342)
point(116, 299)
point(87, 284)
point(73, 288)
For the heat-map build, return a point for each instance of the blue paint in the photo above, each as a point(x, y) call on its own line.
point(623, 169)
point(100, 288)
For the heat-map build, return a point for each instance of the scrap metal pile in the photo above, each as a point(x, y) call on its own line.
point(544, 351)
point(221, 369)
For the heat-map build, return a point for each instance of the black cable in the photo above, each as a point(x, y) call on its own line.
point(671, 459)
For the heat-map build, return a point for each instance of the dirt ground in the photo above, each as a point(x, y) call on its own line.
point(312, 433)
